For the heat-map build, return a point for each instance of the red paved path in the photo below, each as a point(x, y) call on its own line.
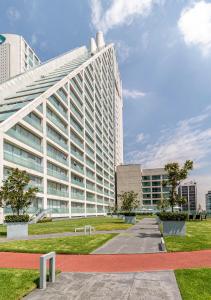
point(112, 263)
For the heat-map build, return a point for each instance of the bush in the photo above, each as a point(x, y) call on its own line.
point(45, 220)
point(17, 218)
point(172, 216)
point(128, 214)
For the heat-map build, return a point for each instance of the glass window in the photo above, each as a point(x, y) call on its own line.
point(155, 177)
point(145, 177)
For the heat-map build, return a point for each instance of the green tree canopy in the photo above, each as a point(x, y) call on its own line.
point(176, 174)
point(129, 201)
point(16, 193)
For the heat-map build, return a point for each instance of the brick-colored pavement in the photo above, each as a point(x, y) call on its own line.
point(112, 262)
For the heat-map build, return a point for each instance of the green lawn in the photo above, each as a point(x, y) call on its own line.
point(100, 223)
point(194, 284)
point(198, 237)
point(15, 284)
point(70, 245)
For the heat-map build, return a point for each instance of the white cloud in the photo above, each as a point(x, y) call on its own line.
point(134, 94)
point(123, 50)
point(141, 137)
point(119, 12)
point(189, 140)
point(195, 25)
point(34, 39)
point(13, 14)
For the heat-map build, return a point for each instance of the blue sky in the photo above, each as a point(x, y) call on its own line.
point(164, 52)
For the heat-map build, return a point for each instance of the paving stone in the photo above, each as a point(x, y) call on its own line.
point(111, 286)
point(143, 237)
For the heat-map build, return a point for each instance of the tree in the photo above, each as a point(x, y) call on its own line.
point(175, 175)
point(163, 203)
point(129, 201)
point(15, 193)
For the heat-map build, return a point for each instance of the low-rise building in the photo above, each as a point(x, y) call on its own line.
point(147, 183)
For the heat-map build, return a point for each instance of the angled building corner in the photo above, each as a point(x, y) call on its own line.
point(58, 122)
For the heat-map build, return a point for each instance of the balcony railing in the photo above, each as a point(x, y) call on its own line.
point(52, 191)
point(77, 196)
point(57, 157)
point(24, 139)
point(23, 161)
point(58, 141)
point(77, 154)
point(35, 124)
point(57, 174)
point(57, 123)
point(77, 210)
point(79, 183)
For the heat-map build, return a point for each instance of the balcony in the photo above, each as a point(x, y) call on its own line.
point(57, 157)
point(55, 121)
point(90, 187)
point(77, 141)
point(52, 191)
point(22, 161)
point(77, 182)
point(24, 139)
point(77, 127)
point(32, 122)
point(77, 210)
point(77, 168)
point(59, 210)
point(91, 210)
point(58, 107)
point(57, 141)
point(77, 196)
point(78, 155)
point(57, 174)
point(39, 186)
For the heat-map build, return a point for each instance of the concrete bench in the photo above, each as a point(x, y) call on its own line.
point(87, 229)
point(51, 256)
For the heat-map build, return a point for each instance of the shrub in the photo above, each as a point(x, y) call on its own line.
point(17, 218)
point(128, 213)
point(172, 216)
point(45, 220)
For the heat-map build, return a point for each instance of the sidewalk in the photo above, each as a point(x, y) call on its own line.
point(143, 237)
point(111, 286)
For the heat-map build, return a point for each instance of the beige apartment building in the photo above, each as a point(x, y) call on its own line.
point(146, 182)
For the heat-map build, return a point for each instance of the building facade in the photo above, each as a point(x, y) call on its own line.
point(58, 123)
point(16, 56)
point(189, 191)
point(128, 178)
point(152, 187)
point(146, 182)
point(208, 201)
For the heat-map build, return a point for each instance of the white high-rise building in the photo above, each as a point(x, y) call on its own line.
point(60, 122)
point(16, 56)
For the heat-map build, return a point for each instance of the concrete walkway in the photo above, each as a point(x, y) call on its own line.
point(143, 237)
point(56, 235)
point(111, 286)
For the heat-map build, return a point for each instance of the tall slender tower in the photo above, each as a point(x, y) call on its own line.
point(16, 56)
point(62, 123)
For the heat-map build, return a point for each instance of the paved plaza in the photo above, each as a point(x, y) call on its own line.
point(111, 286)
point(143, 237)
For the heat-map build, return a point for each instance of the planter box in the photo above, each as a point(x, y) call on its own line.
point(17, 230)
point(174, 228)
point(130, 219)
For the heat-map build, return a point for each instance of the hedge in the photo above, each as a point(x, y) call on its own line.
point(17, 218)
point(172, 216)
point(45, 220)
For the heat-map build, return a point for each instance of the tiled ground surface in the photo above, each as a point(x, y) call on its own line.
point(143, 237)
point(111, 286)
